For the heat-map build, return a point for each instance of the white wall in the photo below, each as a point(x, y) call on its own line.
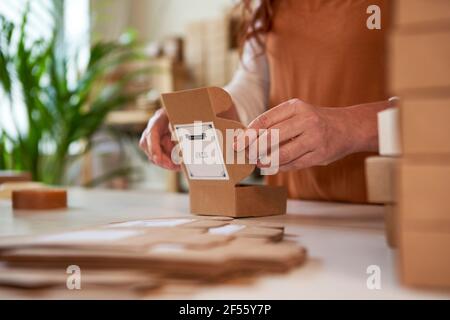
point(153, 19)
point(109, 18)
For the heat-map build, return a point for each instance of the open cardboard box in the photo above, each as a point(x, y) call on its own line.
point(214, 188)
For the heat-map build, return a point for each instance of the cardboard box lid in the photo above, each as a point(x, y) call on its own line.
point(205, 104)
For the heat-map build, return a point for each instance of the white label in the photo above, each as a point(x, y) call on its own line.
point(202, 152)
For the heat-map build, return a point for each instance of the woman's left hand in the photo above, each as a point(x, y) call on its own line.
point(308, 135)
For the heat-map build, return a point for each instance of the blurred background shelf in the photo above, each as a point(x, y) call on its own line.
point(137, 118)
point(181, 45)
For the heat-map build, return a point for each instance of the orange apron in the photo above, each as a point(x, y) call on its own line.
point(322, 52)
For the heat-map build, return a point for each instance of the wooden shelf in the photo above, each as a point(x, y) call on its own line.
point(128, 117)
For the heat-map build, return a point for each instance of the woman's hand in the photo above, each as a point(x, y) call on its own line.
point(156, 141)
point(313, 136)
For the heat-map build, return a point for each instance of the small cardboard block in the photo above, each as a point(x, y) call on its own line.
point(39, 199)
point(414, 14)
point(7, 188)
point(14, 176)
point(238, 201)
point(424, 191)
point(425, 126)
point(214, 188)
point(391, 225)
point(425, 258)
point(380, 179)
point(419, 63)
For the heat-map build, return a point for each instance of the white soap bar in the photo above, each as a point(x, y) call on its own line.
point(389, 132)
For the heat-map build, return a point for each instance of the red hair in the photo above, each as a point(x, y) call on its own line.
point(256, 21)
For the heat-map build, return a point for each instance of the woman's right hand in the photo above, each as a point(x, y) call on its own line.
point(156, 141)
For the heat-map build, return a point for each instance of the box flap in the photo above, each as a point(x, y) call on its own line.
point(203, 105)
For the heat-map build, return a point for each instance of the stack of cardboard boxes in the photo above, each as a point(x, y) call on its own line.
point(138, 258)
point(420, 75)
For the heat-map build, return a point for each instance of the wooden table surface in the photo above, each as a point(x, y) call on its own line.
point(343, 240)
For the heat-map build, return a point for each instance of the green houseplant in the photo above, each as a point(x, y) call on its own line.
point(59, 112)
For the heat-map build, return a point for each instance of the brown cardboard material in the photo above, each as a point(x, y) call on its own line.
point(419, 62)
point(425, 126)
point(424, 225)
point(39, 199)
point(419, 74)
point(165, 248)
point(7, 188)
point(380, 179)
point(167, 234)
point(259, 223)
point(14, 176)
point(205, 224)
point(44, 278)
point(423, 190)
point(425, 258)
point(237, 256)
point(123, 239)
point(196, 265)
point(422, 13)
point(271, 234)
point(238, 201)
point(226, 196)
point(61, 293)
point(175, 251)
